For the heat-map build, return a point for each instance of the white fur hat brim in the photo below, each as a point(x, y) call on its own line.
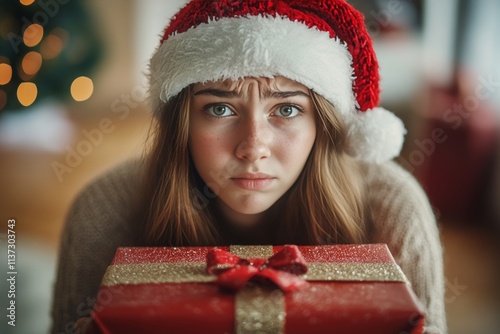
point(254, 46)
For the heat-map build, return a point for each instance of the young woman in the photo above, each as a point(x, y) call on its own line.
point(268, 131)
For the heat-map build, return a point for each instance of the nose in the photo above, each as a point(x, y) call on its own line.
point(255, 143)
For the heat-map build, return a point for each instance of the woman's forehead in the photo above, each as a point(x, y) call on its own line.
point(277, 83)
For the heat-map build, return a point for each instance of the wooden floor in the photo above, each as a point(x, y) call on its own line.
point(32, 193)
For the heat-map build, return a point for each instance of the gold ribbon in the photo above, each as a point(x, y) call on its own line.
point(186, 272)
point(252, 252)
point(258, 309)
point(143, 273)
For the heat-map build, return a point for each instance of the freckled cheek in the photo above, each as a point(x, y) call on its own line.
point(295, 146)
point(207, 147)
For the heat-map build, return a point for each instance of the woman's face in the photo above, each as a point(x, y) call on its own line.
point(249, 141)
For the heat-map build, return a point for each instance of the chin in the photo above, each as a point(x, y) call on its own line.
point(249, 207)
point(250, 210)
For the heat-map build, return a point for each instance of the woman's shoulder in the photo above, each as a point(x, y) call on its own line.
point(107, 201)
point(393, 191)
point(390, 178)
point(98, 222)
point(389, 172)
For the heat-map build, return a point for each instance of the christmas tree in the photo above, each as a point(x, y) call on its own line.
point(47, 49)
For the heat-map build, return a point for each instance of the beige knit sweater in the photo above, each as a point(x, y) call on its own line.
point(98, 223)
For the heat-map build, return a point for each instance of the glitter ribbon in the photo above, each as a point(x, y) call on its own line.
point(186, 272)
point(259, 309)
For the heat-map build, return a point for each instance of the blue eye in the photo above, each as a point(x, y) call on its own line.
point(287, 111)
point(219, 110)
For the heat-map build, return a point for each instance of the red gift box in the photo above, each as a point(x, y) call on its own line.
point(348, 289)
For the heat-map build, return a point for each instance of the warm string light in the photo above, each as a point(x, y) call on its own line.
point(5, 73)
point(82, 88)
point(31, 63)
point(33, 35)
point(26, 2)
point(27, 93)
point(51, 46)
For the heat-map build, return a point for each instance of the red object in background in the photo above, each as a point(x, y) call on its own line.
point(202, 307)
point(458, 142)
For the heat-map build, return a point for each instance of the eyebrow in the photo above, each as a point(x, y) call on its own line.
point(217, 92)
point(266, 95)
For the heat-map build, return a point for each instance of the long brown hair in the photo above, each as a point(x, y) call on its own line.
point(326, 205)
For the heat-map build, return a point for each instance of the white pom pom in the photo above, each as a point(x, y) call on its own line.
point(376, 135)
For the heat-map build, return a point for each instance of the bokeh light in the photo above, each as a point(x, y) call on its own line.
point(33, 35)
point(5, 73)
point(26, 2)
point(26, 93)
point(82, 88)
point(51, 46)
point(31, 63)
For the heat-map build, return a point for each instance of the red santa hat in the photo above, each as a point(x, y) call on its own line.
point(322, 44)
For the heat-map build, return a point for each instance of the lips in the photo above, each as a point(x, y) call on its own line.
point(253, 181)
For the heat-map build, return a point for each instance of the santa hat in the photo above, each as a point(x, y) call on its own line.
point(322, 44)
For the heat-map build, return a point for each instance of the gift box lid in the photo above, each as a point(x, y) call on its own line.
point(350, 287)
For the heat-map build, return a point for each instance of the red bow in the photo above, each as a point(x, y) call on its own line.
point(282, 268)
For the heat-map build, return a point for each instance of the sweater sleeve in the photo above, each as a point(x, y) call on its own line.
point(403, 219)
point(98, 223)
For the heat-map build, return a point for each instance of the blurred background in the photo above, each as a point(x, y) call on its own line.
point(72, 105)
